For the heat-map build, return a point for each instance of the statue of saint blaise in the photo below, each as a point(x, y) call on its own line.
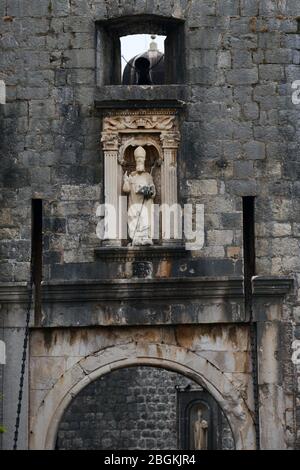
point(140, 187)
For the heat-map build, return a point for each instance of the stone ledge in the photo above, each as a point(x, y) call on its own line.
point(271, 286)
point(139, 96)
point(148, 289)
point(143, 289)
point(132, 302)
point(141, 253)
point(14, 292)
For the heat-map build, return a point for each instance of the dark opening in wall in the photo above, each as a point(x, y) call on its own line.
point(249, 272)
point(109, 54)
point(249, 243)
point(37, 252)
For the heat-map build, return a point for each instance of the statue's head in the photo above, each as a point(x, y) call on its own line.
point(140, 157)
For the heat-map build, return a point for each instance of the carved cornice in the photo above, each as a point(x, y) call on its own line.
point(144, 122)
point(142, 112)
point(139, 121)
point(149, 289)
point(271, 286)
point(14, 292)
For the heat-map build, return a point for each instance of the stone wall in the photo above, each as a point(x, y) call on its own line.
point(239, 126)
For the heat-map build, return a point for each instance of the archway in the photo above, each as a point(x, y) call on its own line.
point(143, 408)
point(193, 366)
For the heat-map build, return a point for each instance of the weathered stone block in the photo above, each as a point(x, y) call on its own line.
point(200, 187)
point(249, 7)
point(228, 8)
point(243, 169)
point(243, 76)
point(279, 56)
point(220, 237)
point(255, 150)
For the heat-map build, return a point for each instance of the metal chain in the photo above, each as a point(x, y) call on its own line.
point(23, 364)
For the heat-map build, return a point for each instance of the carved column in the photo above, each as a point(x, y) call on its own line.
point(170, 143)
point(110, 142)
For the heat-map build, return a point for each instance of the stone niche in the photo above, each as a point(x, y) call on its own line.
point(156, 130)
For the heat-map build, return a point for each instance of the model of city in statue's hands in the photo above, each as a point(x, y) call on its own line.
point(141, 191)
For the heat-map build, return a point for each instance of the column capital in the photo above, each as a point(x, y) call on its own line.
point(110, 141)
point(170, 140)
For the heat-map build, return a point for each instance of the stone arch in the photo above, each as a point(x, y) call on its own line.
point(140, 141)
point(45, 424)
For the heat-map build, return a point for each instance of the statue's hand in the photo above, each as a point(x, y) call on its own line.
point(126, 177)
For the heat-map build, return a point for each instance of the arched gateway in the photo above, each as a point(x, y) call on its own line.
point(46, 422)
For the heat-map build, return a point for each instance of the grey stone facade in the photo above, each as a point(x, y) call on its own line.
point(239, 137)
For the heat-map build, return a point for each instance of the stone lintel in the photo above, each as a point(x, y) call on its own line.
point(138, 104)
point(137, 96)
point(144, 289)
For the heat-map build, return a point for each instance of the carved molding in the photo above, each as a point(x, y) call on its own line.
point(110, 141)
point(141, 111)
point(271, 286)
point(170, 140)
point(135, 121)
point(14, 292)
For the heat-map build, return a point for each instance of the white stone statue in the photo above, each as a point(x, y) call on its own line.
point(140, 187)
point(200, 432)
